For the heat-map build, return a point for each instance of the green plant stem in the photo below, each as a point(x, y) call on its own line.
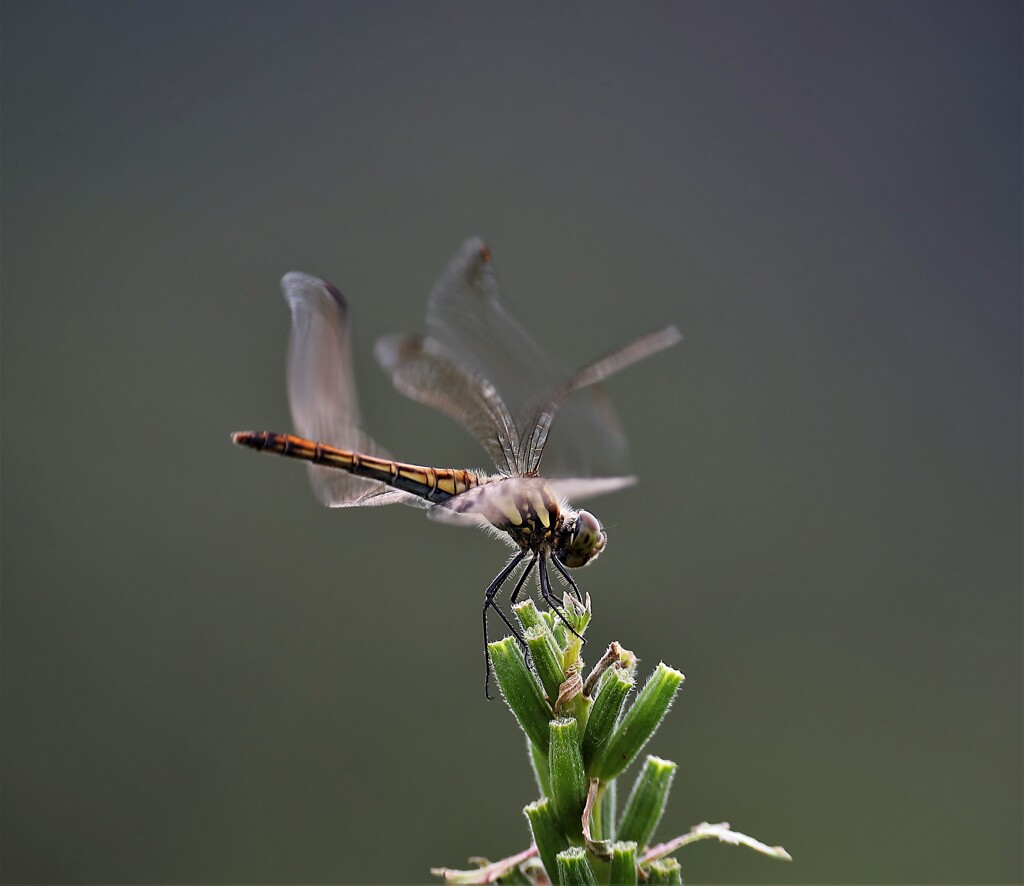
point(547, 833)
point(623, 864)
point(546, 660)
point(539, 762)
point(574, 869)
point(604, 713)
point(665, 872)
point(647, 800)
point(521, 690)
point(638, 724)
point(568, 780)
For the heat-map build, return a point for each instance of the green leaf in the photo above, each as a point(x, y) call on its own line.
point(547, 834)
point(539, 762)
point(647, 801)
point(623, 865)
point(557, 628)
point(577, 615)
point(546, 660)
point(574, 869)
point(666, 871)
point(568, 780)
point(521, 690)
point(611, 696)
point(639, 723)
point(528, 614)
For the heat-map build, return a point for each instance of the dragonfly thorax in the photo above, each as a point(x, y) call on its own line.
point(532, 515)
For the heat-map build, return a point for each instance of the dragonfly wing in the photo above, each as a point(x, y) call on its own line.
point(637, 350)
point(586, 378)
point(422, 370)
point(322, 394)
point(441, 513)
point(492, 503)
point(466, 316)
point(495, 503)
point(380, 494)
point(574, 489)
point(468, 319)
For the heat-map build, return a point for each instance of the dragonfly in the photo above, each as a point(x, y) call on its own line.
point(477, 365)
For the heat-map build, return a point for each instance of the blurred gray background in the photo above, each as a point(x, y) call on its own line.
point(209, 678)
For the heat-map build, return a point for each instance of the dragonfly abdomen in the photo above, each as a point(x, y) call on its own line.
point(432, 484)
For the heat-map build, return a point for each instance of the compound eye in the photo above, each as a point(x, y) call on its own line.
point(586, 542)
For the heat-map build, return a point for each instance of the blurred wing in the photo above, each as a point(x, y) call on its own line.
point(490, 503)
point(466, 316)
point(440, 513)
point(468, 320)
point(534, 445)
point(637, 350)
point(321, 391)
point(486, 505)
point(420, 369)
point(574, 489)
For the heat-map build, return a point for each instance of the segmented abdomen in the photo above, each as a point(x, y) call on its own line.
point(432, 484)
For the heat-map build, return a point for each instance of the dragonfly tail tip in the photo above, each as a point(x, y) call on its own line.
point(246, 438)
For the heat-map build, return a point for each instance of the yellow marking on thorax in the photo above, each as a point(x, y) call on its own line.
point(539, 508)
point(507, 505)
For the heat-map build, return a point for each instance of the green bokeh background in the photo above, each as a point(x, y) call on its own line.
point(209, 678)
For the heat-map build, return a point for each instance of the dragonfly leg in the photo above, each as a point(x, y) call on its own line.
point(489, 603)
point(549, 598)
point(522, 580)
point(515, 596)
point(568, 578)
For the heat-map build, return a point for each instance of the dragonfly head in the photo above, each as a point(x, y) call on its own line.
point(583, 540)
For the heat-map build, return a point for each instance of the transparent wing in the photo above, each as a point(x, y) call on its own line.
point(321, 391)
point(440, 513)
point(639, 349)
point(469, 322)
point(420, 369)
point(466, 316)
point(534, 445)
point(574, 489)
